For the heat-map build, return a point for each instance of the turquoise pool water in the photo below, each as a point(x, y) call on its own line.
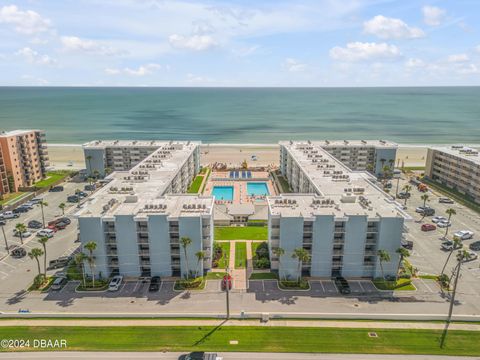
point(223, 192)
point(257, 188)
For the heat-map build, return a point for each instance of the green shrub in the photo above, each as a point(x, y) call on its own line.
point(262, 250)
point(262, 263)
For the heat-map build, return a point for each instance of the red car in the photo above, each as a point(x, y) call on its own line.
point(227, 278)
point(428, 227)
point(52, 227)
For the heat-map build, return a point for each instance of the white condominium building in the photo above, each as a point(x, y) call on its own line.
point(119, 155)
point(138, 219)
point(339, 216)
point(457, 168)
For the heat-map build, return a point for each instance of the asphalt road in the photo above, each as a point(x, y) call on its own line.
point(225, 356)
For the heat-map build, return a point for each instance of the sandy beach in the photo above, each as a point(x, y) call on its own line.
point(66, 156)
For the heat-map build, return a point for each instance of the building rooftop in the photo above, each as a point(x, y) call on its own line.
point(335, 182)
point(18, 132)
point(463, 152)
point(101, 144)
point(130, 191)
point(356, 143)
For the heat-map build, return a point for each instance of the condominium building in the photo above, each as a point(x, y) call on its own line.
point(369, 155)
point(457, 168)
point(116, 155)
point(138, 219)
point(24, 159)
point(339, 216)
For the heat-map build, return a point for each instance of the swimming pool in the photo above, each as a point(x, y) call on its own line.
point(223, 192)
point(257, 188)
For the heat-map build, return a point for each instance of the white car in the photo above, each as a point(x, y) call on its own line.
point(46, 232)
point(9, 215)
point(437, 219)
point(444, 224)
point(115, 283)
point(464, 234)
point(25, 234)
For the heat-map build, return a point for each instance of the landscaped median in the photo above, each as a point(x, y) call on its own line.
point(399, 285)
point(241, 233)
point(249, 338)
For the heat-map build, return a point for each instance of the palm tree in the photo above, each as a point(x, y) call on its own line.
point(6, 242)
point(91, 246)
point(403, 253)
point(279, 252)
point(35, 254)
point(89, 158)
point(450, 213)
point(456, 244)
point(200, 256)
point(90, 180)
point(303, 256)
point(62, 207)
point(386, 174)
point(79, 260)
point(425, 198)
point(383, 256)
point(21, 228)
point(185, 241)
point(43, 240)
point(42, 204)
point(96, 173)
point(407, 188)
point(108, 170)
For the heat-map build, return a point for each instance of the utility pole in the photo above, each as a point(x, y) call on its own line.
point(452, 299)
point(398, 183)
point(227, 292)
point(5, 238)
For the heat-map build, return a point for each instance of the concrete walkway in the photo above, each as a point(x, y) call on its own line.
point(238, 275)
point(271, 323)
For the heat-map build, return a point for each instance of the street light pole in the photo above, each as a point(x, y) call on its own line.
point(227, 287)
point(5, 238)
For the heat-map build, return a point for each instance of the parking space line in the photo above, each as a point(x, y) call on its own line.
point(361, 286)
point(161, 285)
point(428, 287)
point(136, 286)
point(321, 284)
point(263, 285)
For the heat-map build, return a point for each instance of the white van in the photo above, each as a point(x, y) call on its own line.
point(115, 283)
point(46, 232)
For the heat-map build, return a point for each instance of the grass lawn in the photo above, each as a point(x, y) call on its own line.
point(191, 284)
point(402, 284)
point(428, 276)
point(413, 168)
point(263, 276)
point(11, 197)
point(241, 233)
point(240, 255)
point(455, 195)
point(195, 186)
point(52, 177)
point(284, 184)
point(215, 275)
point(259, 339)
point(223, 262)
point(74, 272)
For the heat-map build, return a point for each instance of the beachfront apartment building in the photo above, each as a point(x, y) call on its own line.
point(139, 217)
point(369, 155)
point(339, 216)
point(103, 156)
point(457, 168)
point(23, 159)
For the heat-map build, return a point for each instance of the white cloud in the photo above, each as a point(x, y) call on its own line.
point(142, 70)
point(358, 51)
point(458, 58)
point(390, 28)
point(34, 57)
point(74, 43)
point(293, 65)
point(433, 15)
point(468, 69)
point(194, 42)
point(196, 79)
point(414, 63)
point(477, 49)
point(26, 22)
point(35, 80)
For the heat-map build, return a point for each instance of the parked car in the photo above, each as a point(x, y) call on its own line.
point(81, 193)
point(25, 234)
point(59, 263)
point(407, 244)
point(52, 227)
point(35, 201)
point(444, 224)
point(403, 195)
point(342, 285)
point(445, 200)
point(200, 355)
point(56, 189)
point(20, 210)
point(449, 245)
point(3, 223)
point(428, 227)
point(73, 199)
point(34, 224)
point(227, 279)
point(470, 256)
point(426, 210)
point(89, 187)
point(422, 187)
point(58, 283)
point(475, 246)
point(437, 219)
point(29, 204)
point(46, 232)
point(388, 185)
point(9, 215)
point(464, 234)
point(115, 283)
point(17, 251)
point(154, 284)
point(65, 220)
point(414, 181)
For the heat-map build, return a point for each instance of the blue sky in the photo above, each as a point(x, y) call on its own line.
point(239, 43)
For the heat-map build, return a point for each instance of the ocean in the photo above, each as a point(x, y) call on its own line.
point(434, 115)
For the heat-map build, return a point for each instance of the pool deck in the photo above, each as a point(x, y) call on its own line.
point(240, 194)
